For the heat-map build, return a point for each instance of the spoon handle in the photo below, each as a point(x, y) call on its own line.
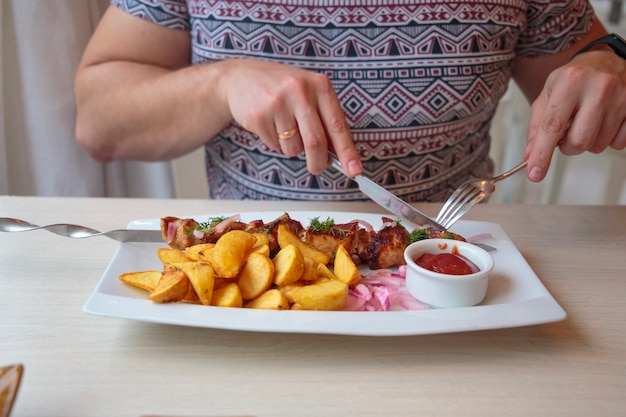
point(80, 232)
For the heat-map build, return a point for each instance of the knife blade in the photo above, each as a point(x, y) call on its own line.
point(388, 200)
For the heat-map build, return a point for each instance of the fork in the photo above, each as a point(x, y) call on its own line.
point(469, 194)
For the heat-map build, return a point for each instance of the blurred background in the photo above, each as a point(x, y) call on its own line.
point(42, 43)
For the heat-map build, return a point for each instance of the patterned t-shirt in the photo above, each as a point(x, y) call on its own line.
point(419, 81)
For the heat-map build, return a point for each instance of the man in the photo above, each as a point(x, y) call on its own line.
point(404, 93)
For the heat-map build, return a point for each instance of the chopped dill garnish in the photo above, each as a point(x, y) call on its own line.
point(419, 234)
point(321, 226)
point(207, 225)
point(211, 221)
point(448, 235)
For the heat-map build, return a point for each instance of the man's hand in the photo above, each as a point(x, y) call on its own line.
point(582, 107)
point(270, 99)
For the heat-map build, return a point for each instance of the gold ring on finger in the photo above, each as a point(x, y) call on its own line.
point(287, 134)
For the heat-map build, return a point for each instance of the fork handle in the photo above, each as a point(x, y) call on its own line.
point(511, 172)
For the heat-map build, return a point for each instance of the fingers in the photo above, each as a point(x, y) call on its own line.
point(290, 141)
point(580, 109)
point(548, 125)
point(322, 126)
point(338, 132)
point(619, 141)
point(292, 110)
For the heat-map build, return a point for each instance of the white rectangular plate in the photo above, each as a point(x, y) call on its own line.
point(515, 296)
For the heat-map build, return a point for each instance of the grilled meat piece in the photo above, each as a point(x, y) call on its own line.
point(385, 248)
point(338, 234)
point(178, 233)
point(182, 233)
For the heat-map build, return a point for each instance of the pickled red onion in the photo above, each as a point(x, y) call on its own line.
point(171, 232)
point(367, 226)
point(382, 290)
point(221, 226)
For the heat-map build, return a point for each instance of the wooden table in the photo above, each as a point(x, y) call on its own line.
point(82, 365)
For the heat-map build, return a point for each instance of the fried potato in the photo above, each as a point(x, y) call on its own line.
point(172, 287)
point(262, 249)
point(286, 237)
point(202, 278)
point(230, 252)
point(171, 255)
point(324, 272)
point(261, 239)
point(329, 295)
point(191, 297)
point(256, 277)
point(287, 290)
point(200, 252)
point(146, 280)
point(310, 270)
point(227, 296)
point(345, 268)
point(171, 266)
point(222, 282)
point(288, 265)
point(270, 300)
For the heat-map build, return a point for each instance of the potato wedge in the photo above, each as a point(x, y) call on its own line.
point(256, 277)
point(171, 255)
point(172, 287)
point(202, 278)
point(222, 282)
point(262, 249)
point(345, 269)
point(191, 297)
point(227, 296)
point(146, 280)
point(329, 295)
point(324, 272)
point(310, 270)
point(286, 237)
point(287, 290)
point(270, 300)
point(288, 265)
point(261, 239)
point(200, 252)
point(230, 253)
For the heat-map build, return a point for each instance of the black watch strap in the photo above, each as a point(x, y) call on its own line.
point(614, 41)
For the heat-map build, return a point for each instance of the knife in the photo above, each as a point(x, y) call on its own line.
point(388, 200)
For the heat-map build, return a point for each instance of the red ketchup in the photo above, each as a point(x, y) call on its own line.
point(447, 263)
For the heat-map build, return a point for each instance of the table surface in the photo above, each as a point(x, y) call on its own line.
point(76, 364)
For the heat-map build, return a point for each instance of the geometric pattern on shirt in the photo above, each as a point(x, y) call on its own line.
point(418, 82)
